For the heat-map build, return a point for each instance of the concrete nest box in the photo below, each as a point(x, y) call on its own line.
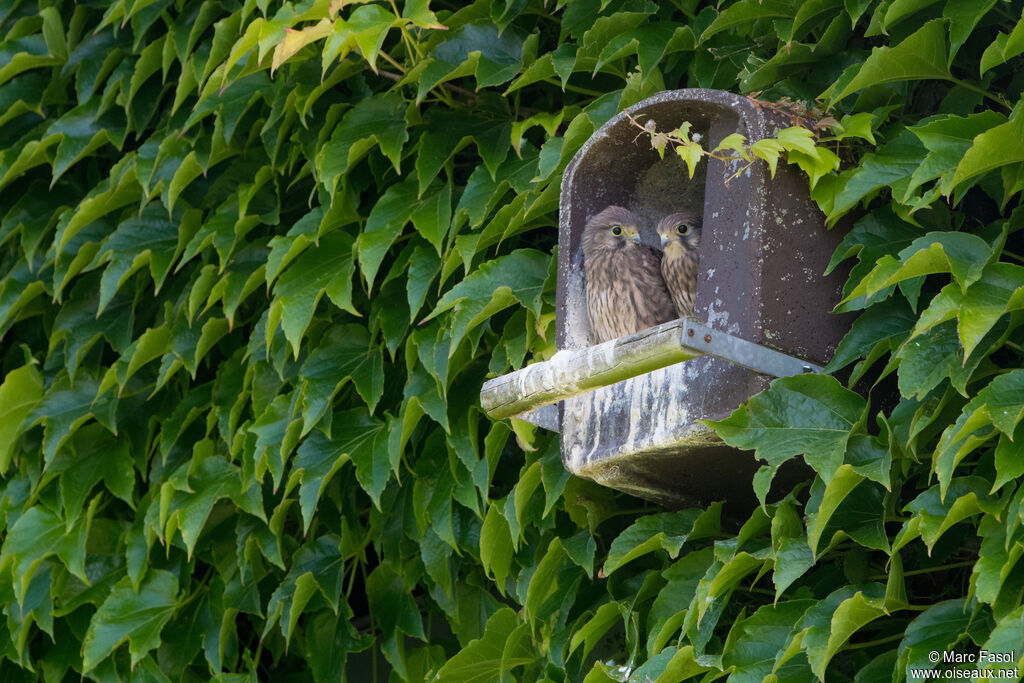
point(628, 409)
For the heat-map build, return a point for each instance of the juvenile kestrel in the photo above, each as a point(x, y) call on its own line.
point(625, 292)
point(680, 236)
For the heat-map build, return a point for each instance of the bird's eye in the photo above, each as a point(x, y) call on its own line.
point(682, 228)
point(616, 230)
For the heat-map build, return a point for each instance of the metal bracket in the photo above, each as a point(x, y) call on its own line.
point(702, 339)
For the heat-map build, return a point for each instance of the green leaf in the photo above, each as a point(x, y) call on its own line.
point(999, 554)
point(1004, 48)
point(871, 458)
point(811, 415)
point(834, 493)
point(447, 132)
point(496, 547)
point(962, 255)
point(485, 658)
point(753, 643)
point(848, 505)
point(494, 286)
point(947, 139)
point(375, 121)
point(211, 480)
point(769, 150)
point(317, 567)
point(667, 531)
point(596, 625)
point(892, 163)
point(424, 265)
point(963, 18)
point(500, 53)
point(544, 593)
point(21, 389)
point(1009, 461)
point(901, 9)
point(369, 26)
point(885, 324)
point(828, 624)
point(716, 588)
point(855, 126)
point(669, 609)
point(151, 238)
point(316, 461)
point(939, 508)
point(345, 353)
point(996, 147)
point(879, 233)
point(276, 436)
point(927, 360)
point(1006, 637)
point(1003, 400)
point(977, 310)
point(37, 535)
point(792, 560)
point(328, 269)
point(416, 11)
point(922, 55)
point(970, 431)
point(934, 630)
point(66, 406)
point(433, 216)
point(364, 439)
point(388, 218)
point(97, 456)
point(519, 650)
point(22, 54)
point(852, 614)
point(135, 616)
point(393, 607)
point(746, 12)
point(332, 638)
point(232, 103)
point(284, 249)
point(81, 131)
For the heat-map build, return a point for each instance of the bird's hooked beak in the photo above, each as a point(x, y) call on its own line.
point(632, 234)
point(664, 240)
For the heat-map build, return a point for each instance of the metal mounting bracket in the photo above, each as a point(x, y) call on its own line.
point(699, 337)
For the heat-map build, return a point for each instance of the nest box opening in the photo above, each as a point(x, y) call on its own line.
point(621, 168)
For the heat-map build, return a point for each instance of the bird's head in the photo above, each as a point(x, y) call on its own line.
point(682, 229)
point(612, 228)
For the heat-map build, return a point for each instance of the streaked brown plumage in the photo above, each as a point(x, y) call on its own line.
point(625, 292)
point(680, 236)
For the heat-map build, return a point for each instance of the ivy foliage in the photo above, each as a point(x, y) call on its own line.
point(257, 258)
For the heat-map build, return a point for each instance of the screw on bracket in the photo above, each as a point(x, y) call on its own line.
point(689, 332)
point(707, 338)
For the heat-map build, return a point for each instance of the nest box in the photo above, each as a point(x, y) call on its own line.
point(627, 410)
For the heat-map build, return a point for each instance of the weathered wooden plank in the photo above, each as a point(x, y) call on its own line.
point(570, 373)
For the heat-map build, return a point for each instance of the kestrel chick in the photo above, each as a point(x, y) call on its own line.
point(625, 292)
point(680, 236)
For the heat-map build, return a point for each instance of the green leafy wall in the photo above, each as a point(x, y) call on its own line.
point(256, 260)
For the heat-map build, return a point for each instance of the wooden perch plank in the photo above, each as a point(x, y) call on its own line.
point(570, 373)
